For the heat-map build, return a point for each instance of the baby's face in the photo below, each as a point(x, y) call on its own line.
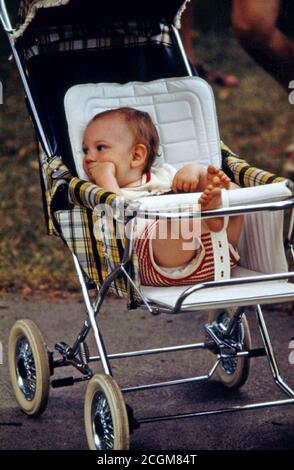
point(109, 139)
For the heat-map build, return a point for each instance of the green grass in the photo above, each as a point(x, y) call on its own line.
point(255, 119)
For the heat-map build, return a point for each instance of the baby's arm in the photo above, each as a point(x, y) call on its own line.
point(190, 178)
point(102, 174)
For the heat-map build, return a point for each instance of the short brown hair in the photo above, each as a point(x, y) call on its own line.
point(142, 127)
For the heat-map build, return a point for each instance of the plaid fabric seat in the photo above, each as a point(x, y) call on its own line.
point(134, 32)
point(113, 35)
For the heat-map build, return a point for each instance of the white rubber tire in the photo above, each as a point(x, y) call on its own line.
point(29, 330)
point(106, 385)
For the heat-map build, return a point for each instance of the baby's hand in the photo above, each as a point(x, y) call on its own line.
point(98, 171)
point(187, 178)
point(102, 174)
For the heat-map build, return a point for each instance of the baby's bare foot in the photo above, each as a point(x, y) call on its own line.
point(213, 171)
point(211, 199)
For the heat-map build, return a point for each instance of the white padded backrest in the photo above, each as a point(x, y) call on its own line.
point(182, 109)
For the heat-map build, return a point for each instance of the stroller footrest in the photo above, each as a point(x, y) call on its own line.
point(257, 352)
point(68, 381)
point(65, 382)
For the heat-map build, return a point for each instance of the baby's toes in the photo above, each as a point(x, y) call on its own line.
point(208, 189)
point(212, 170)
point(225, 181)
point(204, 197)
point(216, 181)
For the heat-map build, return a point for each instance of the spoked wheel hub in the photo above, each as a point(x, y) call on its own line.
point(102, 423)
point(106, 417)
point(25, 368)
point(29, 367)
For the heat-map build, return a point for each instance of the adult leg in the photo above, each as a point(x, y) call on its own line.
point(255, 25)
point(187, 30)
point(204, 71)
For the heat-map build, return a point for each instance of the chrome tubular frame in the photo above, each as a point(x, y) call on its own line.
point(121, 270)
point(4, 17)
point(91, 313)
point(104, 358)
point(252, 406)
point(290, 239)
point(179, 44)
point(270, 354)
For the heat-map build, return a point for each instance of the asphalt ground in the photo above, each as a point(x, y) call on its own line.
point(62, 425)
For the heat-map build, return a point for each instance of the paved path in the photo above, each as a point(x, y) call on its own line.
point(61, 426)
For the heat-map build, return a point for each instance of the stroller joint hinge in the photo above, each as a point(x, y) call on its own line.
point(212, 346)
point(223, 342)
point(63, 348)
point(84, 353)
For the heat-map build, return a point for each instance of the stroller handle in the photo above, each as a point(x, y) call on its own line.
point(5, 20)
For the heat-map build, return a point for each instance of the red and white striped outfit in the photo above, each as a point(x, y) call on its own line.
point(201, 268)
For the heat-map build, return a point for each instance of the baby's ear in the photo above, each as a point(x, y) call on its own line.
point(140, 154)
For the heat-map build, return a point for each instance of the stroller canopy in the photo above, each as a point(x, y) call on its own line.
point(45, 13)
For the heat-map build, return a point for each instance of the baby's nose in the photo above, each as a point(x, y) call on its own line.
point(89, 158)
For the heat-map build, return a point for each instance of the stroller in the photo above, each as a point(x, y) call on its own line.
point(76, 58)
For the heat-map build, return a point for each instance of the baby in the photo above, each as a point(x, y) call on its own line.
point(120, 147)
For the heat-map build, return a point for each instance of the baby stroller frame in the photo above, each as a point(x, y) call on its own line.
point(227, 334)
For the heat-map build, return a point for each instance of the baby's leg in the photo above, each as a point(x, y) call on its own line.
point(177, 247)
point(171, 243)
point(179, 243)
point(211, 199)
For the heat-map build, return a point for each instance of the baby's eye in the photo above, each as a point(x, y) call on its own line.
point(101, 148)
point(85, 150)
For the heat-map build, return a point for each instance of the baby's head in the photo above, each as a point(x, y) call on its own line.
point(124, 136)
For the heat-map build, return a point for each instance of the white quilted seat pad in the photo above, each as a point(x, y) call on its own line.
point(182, 109)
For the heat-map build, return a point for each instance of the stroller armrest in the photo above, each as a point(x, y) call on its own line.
point(89, 195)
point(259, 194)
point(245, 175)
point(75, 190)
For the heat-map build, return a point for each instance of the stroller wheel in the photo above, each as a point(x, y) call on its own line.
point(106, 418)
point(29, 367)
point(232, 371)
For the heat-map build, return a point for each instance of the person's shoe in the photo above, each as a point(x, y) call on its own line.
point(216, 77)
